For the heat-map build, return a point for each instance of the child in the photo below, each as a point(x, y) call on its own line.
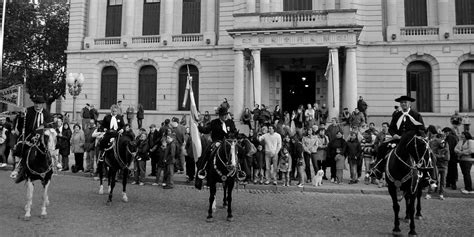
point(340, 160)
point(140, 159)
point(299, 158)
point(353, 156)
point(442, 158)
point(258, 165)
point(367, 146)
point(169, 160)
point(284, 165)
point(160, 163)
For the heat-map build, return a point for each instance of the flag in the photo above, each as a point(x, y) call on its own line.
point(11, 95)
point(329, 74)
point(195, 135)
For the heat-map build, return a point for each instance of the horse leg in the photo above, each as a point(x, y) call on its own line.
point(112, 173)
point(225, 188)
point(412, 215)
point(396, 209)
point(418, 214)
point(407, 210)
point(229, 200)
point(29, 199)
point(124, 185)
point(100, 169)
point(212, 197)
point(45, 200)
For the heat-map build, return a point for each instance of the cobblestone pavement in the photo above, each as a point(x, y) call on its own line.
point(78, 210)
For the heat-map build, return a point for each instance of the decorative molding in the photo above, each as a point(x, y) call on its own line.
point(183, 61)
point(424, 57)
point(107, 62)
point(463, 58)
point(146, 61)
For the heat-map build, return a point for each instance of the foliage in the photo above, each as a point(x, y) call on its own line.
point(34, 47)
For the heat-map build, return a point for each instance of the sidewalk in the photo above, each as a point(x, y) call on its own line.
point(327, 186)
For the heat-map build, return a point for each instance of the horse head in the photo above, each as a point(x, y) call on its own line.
point(226, 159)
point(419, 150)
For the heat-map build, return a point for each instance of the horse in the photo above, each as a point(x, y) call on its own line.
point(117, 155)
point(406, 168)
point(222, 168)
point(37, 161)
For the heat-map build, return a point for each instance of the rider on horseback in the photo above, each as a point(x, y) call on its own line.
point(405, 124)
point(113, 124)
point(219, 128)
point(35, 119)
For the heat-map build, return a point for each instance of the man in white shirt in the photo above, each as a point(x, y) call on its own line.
point(272, 142)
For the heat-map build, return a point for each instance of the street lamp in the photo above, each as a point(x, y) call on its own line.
point(74, 83)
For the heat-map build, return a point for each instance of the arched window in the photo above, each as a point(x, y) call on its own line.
point(183, 77)
point(415, 13)
point(419, 85)
point(296, 5)
point(147, 87)
point(108, 87)
point(466, 86)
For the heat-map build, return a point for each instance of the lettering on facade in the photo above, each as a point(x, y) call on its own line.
point(316, 38)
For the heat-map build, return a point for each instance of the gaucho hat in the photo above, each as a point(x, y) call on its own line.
point(404, 98)
point(38, 99)
point(222, 111)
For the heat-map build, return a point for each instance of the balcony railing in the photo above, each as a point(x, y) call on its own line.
point(107, 41)
point(463, 32)
point(187, 40)
point(152, 39)
point(294, 19)
point(419, 33)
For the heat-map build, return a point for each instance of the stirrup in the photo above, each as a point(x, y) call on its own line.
point(241, 175)
point(202, 174)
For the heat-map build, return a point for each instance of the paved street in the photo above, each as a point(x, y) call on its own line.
point(77, 209)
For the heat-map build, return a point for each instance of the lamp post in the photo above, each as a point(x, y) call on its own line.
point(74, 84)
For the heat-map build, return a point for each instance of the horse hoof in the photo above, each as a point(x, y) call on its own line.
point(43, 216)
point(230, 219)
point(412, 234)
point(209, 220)
point(125, 199)
point(420, 217)
point(108, 203)
point(26, 218)
point(101, 190)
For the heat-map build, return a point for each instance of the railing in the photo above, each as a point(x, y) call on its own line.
point(188, 38)
point(415, 31)
point(463, 30)
point(294, 17)
point(107, 41)
point(152, 39)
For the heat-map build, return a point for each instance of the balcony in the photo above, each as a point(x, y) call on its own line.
point(187, 40)
point(149, 41)
point(294, 20)
point(463, 32)
point(419, 33)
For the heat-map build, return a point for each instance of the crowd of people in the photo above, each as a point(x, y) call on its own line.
point(287, 147)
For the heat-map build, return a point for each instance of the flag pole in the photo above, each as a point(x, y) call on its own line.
point(4, 7)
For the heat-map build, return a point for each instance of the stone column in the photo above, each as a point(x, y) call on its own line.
point(349, 90)
point(264, 5)
point(210, 22)
point(238, 103)
point(333, 85)
point(257, 76)
point(392, 24)
point(443, 20)
point(129, 17)
point(168, 31)
point(346, 4)
point(330, 4)
point(250, 6)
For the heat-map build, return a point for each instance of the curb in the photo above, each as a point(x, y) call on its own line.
point(345, 189)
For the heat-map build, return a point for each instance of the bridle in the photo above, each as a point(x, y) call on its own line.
point(414, 167)
point(231, 168)
point(37, 141)
point(114, 147)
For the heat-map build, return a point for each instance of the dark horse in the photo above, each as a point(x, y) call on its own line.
point(407, 169)
point(222, 167)
point(37, 162)
point(116, 153)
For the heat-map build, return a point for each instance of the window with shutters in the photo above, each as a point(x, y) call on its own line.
point(151, 17)
point(183, 79)
point(296, 5)
point(191, 16)
point(419, 86)
point(415, 13)
point(464, 12)
point(466, 86)
point(113, 22)
point(108, 87)
point(147, 87)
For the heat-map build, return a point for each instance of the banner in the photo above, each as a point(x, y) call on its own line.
point(195, 135)
point(11, 95)
point(329, 74)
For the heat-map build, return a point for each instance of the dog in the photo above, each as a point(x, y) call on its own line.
point(318, 178)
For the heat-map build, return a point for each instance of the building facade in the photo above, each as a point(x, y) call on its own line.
point(274, 52)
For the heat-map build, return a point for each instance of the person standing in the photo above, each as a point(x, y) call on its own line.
point(333, 145)
point(463, 151)
point(89, 145)
point(77, 147)
point(3, 145)
point(246, 118)
point(456, 121)
point(466, 122)
point(333, 129)
point(362, 107)
point(452, 170)
point(94, 113)
point(86, 115)
point(170, 156)
point(310, 148)
point(64, 143)
point(140, 115)
point(140, 159)
point(130, 114)
point(273, 144)
point(153, 145)
point(256, 116)
point(179, 130)
point(119, 109)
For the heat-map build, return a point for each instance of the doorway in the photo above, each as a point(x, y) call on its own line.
point(298, 87)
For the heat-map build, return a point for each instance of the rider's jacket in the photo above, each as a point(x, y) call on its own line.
point(403, 122)
point(34, 119)
point(218, 129)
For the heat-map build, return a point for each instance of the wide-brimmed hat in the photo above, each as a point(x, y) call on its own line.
point(38, 99)
point(404, 98)
point(222, 111)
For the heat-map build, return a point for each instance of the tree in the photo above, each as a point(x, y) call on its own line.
point(34, 47)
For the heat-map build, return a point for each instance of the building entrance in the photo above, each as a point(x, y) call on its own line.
point(298, 88)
